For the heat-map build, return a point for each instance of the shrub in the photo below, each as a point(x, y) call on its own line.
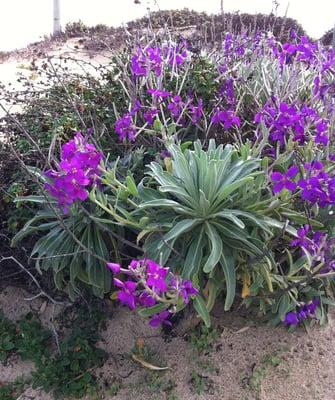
point(238, 194)
point(327, 38)
point(212, 28)
point(7, 337)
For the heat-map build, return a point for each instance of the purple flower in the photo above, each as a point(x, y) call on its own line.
point(302, 240)
point(165, 154)
point(176, 106)
point(176, 55)
point(125, 128)
point(319, 245)
point(196, 111)
point(156, 276)
point(184, 288)
point(78, 169)
point(227, 91)
point(303, 51)
point(284, 181)
point(321, 136)
point(127, 294)
point(146, 60)
point(146, 300)
point(304, 311)
point(160, 319)
point(318, 187)
point(115, 268)
point(150, 114)
point(227, 118)
point(291, 318)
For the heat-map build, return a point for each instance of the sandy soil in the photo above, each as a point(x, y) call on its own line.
point(249, 360)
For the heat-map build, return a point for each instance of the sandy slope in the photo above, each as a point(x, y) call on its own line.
point(21, 63)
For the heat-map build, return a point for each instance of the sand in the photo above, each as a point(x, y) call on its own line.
point(249, 360)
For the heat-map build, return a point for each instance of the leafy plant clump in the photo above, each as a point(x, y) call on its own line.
point(8, 336)
point(213, 180)
point(13, 390)
point(27, 337)
point(32, 338)
point(69, 371)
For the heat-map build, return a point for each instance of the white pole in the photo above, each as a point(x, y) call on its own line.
point(57, 27)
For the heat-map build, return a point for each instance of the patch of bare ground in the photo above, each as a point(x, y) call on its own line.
point(247, 361)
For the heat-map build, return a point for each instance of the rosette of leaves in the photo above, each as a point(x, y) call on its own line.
point(73, 246)
point(200, 222)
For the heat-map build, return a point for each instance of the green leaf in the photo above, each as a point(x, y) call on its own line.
point(228, 267)
point(148, 312)
point(223, 194)
point(229, 215)
point(201, 309)
point(31, 199)
point(214, 289)
point(131, 185)
point(180, 228)
point(194, 256)
point(216, 248)
point(280, 225)
point(284, 306)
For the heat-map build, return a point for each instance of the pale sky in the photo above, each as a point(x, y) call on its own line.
point(26, 21)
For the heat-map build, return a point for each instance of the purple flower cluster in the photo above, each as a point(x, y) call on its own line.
point(318, 186)
point(285, 180)
point(175, 55)
point(322, 89)
point(227, 91)
point(304, 311)
point(176, 106)
point(150, 59)
point(77, 170)
point(288, 120)
point(304, 51)
point(146, 60)
point(148, 284)
point(313, 245)
point(318, 245)
point(125, 125)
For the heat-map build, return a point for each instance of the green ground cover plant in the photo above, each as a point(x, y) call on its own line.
point(66, 369)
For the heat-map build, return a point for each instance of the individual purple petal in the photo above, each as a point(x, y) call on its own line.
point(292, 171)
point(290, 186)
point(277, 176)
point(278, 187)
point(117, 282)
